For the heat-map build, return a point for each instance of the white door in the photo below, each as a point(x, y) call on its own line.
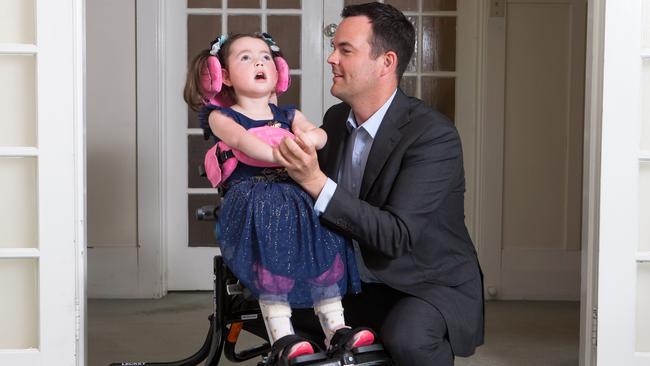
point(41, 183)
point(536, 66)
point(296, 26)
point(624, 214)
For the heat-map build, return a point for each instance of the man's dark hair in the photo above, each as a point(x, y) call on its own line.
point(391, 31)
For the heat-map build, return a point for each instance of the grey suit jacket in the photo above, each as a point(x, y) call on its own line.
point(409, 216)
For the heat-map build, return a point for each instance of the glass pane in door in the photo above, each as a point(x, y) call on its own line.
point(283, 4)
point(645, 107)
point(204, 3)
point(643, 308)
point(285, 30)
point(244, 24)
point(196, 148)
point(645, 24)
point(19, 306)
point(244, 4)
point(438, 44)
point(439, 94)
point(404, 5)
point(438, 5)
point(18, 203)
point(200, 233)
point(17, 100)
point(644, 207)
point(17, 21)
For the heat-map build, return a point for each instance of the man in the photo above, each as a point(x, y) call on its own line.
point(393, 182)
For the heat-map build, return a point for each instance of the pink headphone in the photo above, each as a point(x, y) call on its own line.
point(212, 77)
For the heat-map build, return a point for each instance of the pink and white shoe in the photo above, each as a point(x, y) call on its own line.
point(362, 338)
point(300, 349)
point(347, 339)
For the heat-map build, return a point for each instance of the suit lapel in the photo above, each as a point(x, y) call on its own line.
point(338, 137)
point(386, 139)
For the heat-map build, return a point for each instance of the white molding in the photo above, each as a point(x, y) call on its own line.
point(644, 156)
point(202, 191)
point(480, 115)
point(591, 180)
point(57, 69)
point(243, 11)
point(439, 74)
point(152, 152)
point(21, 357)
point(468, 102)
point(490, 148)
point(331, 15)
point(311, 98)
point(16, 253)
point(540, 274)
point(18, 49)
point(643, 257)
point(18, 151)
point(115, 273)
point(645, 53)
point(79, 112)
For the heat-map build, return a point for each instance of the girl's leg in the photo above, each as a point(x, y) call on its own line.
point(277, 319)
point(330, 315)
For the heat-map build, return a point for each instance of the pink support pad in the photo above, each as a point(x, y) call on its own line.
point(268, 134)
point(217, 174)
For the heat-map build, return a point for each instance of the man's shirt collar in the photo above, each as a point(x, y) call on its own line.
point(372, 124)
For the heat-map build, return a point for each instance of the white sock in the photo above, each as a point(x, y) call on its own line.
point(277, 319)
point(330, 315)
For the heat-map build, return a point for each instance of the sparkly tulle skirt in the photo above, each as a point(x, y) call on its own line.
point(273, 241)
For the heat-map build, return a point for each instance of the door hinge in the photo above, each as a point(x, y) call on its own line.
point(594, 327)
point(77, 319)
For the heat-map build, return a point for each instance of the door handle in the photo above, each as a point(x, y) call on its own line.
point(330, 29)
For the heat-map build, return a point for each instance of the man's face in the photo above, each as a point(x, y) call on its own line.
point(355, 71)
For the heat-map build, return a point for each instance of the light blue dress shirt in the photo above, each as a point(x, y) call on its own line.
point(357, 149)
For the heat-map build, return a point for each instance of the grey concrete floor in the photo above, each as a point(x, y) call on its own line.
point(538, 333)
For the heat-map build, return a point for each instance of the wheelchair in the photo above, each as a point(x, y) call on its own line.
point(235, 310)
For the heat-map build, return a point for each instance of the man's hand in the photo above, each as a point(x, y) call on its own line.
point(299, 158)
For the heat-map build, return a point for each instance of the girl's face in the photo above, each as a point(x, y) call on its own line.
point(251, 70)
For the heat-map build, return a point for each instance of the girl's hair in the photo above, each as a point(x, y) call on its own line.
point(192, 92)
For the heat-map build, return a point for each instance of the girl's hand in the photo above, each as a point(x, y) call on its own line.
point(299, 158)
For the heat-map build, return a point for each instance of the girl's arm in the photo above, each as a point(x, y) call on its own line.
point(237, 137)
point(317, 135)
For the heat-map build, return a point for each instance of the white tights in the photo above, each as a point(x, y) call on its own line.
point(277, 318)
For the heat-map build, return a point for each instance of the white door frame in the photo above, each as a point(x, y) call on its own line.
point(619, 185)
point(591, 182)
point(59, 252)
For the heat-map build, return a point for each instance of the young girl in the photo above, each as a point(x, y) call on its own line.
point(270, 236)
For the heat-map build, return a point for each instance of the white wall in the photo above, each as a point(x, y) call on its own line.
point(111, 148)
point(111, 123)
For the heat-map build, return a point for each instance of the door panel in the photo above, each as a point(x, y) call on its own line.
point(540, 218)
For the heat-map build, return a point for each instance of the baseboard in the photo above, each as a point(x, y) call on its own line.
point(540, 274)
point(114, 272)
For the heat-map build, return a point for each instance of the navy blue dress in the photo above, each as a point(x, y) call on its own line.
point(270, 236)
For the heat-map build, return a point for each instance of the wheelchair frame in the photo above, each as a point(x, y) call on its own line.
point(228, 319)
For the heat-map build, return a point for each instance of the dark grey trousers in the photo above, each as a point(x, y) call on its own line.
point(412, 330)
